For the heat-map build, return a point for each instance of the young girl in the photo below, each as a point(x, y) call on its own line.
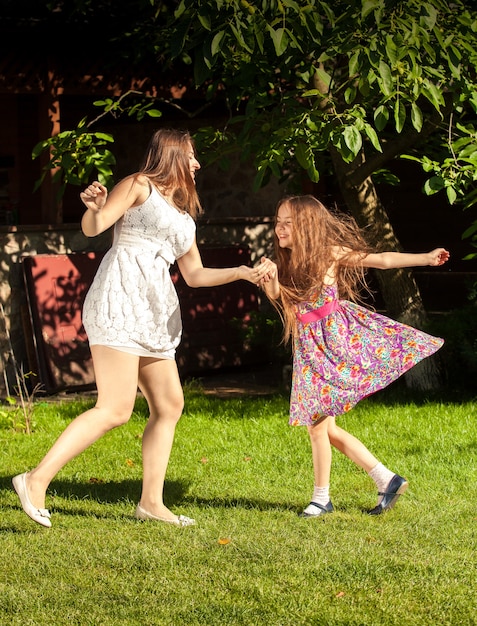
point(342, 352)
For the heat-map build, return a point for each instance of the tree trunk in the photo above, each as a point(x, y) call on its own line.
point(398, 287)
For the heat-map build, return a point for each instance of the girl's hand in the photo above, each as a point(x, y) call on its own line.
point(270, 270)
point(258, 274)
point(269, 281)
point(439, 256)
point(94, 196)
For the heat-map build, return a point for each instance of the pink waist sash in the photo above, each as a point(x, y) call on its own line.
point(319, 313)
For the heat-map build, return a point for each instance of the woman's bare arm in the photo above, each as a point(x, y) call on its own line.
point(196, 275)
point(103, 209)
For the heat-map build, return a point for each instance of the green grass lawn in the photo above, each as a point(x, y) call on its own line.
point(244, 474)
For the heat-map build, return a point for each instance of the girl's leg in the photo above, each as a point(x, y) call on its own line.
point(321, 451)
point(116, 379)
point(389, 484)
point(159, 381)
point(321, 454)
point(350, 446)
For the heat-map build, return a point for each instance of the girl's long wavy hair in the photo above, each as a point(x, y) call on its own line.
point(166, 165)
point(317, 232)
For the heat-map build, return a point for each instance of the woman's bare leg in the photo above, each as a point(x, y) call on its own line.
point(116, 379)
point(160, 383)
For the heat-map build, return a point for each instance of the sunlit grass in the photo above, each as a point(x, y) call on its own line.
point(243, 473)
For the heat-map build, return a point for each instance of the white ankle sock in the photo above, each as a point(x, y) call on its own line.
point(321, 495)
point(381, 476)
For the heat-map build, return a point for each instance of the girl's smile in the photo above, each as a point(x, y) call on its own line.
point(283, 227)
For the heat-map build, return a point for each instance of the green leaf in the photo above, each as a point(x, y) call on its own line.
point(368, 7)
point(386, 82)
point(275, 169)
point(433, 94)
point(180, 9)
point(353, 139)
point(303, 155)
point(154, 113)
point(201, 71)
point(38, 149)
point(178, 41)
point(373, 137)
point(433, 185)
point(105, 136)
point(391, 50)
point(258, 181)
point(416, 117)
point(311, 92)
point(451, 194)
point(259, 36)
point(470, 231)
point(384, 176)
point(399, 115)
point(454, 57)
point(279, 38)
point(313, 173)
point(428, 21)
point(216, 41)
point(354, 63)
point(350, 94)
point(325, 77)
point(381, 117)
point(204, 20)
point(237, 34)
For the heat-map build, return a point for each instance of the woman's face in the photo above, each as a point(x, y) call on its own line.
point(194, 164)
point(283, 227)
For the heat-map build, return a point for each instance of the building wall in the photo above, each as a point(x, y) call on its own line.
point(234, 214)
point(15, 334)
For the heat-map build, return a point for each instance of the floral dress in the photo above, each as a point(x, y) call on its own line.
point(347, 355)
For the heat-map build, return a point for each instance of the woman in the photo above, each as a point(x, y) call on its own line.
point(132, 317)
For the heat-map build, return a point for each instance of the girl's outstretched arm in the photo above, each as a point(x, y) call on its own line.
point(393, 260)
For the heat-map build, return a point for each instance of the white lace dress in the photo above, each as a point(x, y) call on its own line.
point(132, 304)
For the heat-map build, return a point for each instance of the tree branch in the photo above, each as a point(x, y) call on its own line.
point(401, 144)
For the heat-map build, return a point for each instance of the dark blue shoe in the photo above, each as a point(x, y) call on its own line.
point(320, 510)
point(396, 487)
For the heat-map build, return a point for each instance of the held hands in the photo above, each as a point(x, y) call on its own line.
point(269, 269)
point(260, 273)
point(269, 281)
point(439, 256)
point(94, 196)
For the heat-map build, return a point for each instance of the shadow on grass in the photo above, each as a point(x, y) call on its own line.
point(125, 492)
point(255, 504)
point(398, 394)
point(97, 492)
point(258, 504)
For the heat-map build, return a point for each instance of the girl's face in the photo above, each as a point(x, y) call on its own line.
point(283, 227)
point(194, 164)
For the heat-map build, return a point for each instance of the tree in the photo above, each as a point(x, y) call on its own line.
point(341, 85)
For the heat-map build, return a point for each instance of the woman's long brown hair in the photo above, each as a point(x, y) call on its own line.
point(317, 232)
point(167, 166)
